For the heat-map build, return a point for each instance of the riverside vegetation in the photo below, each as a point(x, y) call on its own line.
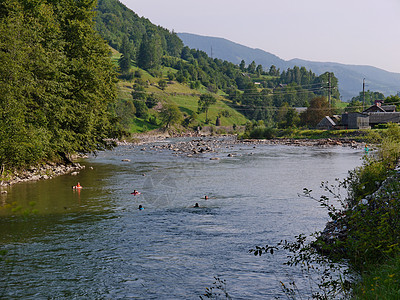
point(358, 253)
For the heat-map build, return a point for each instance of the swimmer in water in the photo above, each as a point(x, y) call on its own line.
point(205, 197)
point(196, 205)
point(77, 186)
point(140, 207)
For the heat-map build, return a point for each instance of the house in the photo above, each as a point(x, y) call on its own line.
point(326, 123)
point(355, 120)
point(378, 107)
point(372, 116)
point(377, 118)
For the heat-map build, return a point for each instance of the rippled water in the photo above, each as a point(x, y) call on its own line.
point(96, 244)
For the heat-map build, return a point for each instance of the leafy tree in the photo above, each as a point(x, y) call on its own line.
point(57, 84)
point(162, 84)
point(273, 71)
point(354, 106)
point(370, 98)
point(318, 109)
point(126, 113)
point(394, 100)
point(205, 101)
point(170, 115)
point(151, 100)
point(142, 110)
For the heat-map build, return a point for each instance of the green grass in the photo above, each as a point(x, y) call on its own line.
point(179, 93)
point(360, 135)
point(140, 125)
point(380, 282)
point(188, 104)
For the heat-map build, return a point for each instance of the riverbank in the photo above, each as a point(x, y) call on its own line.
point(40, 172)
point(195, 144)
point(365, 231)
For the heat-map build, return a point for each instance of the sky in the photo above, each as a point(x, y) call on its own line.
point(357, 32)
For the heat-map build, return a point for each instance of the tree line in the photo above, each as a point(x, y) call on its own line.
point(57, 84)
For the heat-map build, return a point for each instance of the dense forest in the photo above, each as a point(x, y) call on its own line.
point(57, 85)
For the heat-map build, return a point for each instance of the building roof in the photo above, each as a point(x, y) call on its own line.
point(384, 117)
point(377, 107)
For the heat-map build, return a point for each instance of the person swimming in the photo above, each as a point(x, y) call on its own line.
point(140, 207)
point(196, 205)
point(205, 197)
point(135, 192)
point(77, 186)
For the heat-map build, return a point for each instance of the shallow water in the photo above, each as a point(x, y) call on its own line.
point(96, 244)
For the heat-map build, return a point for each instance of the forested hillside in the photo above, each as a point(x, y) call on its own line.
point(256, 92)
point(57, 84)
point(350, 76)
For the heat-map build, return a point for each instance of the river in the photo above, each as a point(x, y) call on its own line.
point(95, 244)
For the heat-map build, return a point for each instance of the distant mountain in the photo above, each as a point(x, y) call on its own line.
point(350, 76)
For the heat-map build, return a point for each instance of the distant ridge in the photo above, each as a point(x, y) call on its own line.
point(350, 76)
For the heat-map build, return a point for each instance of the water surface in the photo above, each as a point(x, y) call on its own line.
point(96, 244)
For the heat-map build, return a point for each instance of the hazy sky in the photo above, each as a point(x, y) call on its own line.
point(361, 32)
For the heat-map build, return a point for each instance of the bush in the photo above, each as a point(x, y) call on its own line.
point(141, 109)
point(151, 101)
point(262, 132)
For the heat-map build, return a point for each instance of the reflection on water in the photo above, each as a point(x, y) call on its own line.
point(95, 243)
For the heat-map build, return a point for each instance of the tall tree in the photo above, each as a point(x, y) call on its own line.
point(150, 51)
point(127, 54)
point(252, 67)
point(170, 115)
point(318, 109)
point(205, 101)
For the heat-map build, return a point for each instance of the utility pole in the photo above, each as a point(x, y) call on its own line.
point(329, 89)
point(363, 94)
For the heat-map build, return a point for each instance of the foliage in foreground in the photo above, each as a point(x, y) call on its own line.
point(362, 236)
point(57, 85)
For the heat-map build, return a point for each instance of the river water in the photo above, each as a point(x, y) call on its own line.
point(95, 243)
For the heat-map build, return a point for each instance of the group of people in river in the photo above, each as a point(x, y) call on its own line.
point(135, 193)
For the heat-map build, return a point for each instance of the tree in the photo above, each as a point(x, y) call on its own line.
point(150, 51)
point(259, 70)
point(394, 100)
point(354, 106)
point(205, 101)
point(170, 114)
point(125, 61)
point(242, 65)
point(252, 67)
point(318, 109)
point(162, 84)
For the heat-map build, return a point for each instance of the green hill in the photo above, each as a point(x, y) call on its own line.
point(176, 93)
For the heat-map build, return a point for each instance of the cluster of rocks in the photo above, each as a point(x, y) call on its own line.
point(197, 146)
point(307, 142)
point(201, 145)
point(43, 171)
